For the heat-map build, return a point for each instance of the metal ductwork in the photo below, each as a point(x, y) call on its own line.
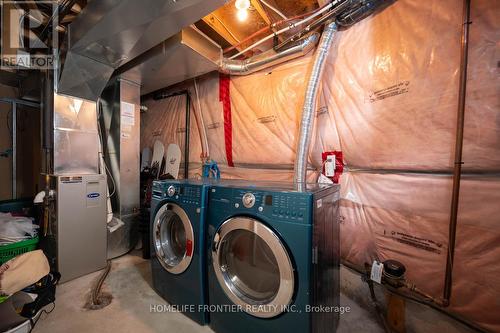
point(109, 33)
point(190, 53)
point(269, 58)
point(183, 56)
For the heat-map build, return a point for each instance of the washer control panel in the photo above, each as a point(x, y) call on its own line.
point(181, 193)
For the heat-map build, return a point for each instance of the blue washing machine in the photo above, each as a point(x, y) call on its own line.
point(273, 263)
point(178, 260)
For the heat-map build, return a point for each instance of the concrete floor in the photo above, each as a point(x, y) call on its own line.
point(130, 284)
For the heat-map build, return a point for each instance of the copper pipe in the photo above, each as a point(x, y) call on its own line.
point(457, 170)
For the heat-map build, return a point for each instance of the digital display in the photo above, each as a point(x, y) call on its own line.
point(181, 190)
point(268, 200)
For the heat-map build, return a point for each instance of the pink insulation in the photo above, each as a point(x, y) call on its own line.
point(389, 103)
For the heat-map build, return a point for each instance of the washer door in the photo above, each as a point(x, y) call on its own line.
point(253, 267)
point(173, 238)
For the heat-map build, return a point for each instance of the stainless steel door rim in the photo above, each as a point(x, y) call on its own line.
point(171, 223)
point(272, 298)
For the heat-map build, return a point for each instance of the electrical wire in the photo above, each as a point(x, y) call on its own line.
point(110, 176)
point(274, 9)
point(99, 131)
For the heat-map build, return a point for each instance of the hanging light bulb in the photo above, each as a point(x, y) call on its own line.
point(242, 4)
point(242, 14)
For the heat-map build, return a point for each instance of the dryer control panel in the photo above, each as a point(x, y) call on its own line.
point(286, 206)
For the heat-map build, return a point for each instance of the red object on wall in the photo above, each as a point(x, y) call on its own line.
point(225, 98)
point(339, 164)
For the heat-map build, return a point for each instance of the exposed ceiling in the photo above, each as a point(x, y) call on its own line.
point(221, 25)
point(42, 13)
point(41, 22)
point(224, 27)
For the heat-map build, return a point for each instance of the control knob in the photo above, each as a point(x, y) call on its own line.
point(171, 190)
point(248, 200)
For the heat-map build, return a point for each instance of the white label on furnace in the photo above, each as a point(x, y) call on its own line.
point(319, 203)
point(128, 113)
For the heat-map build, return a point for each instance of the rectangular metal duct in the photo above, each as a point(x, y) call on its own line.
point(183, 56)
point(110, 33)
point(120, 126)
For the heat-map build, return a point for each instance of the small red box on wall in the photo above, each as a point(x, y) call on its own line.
point(339, 164)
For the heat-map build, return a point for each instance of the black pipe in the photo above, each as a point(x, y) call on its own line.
point(345, 14)
point(457, 170)
point(314, 25)
point(48, 119)
point(375, 302)
point(360, 11)
point(158, 95)
point(188, 131)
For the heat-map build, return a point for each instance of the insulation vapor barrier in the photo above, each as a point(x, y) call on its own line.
point(388, 101)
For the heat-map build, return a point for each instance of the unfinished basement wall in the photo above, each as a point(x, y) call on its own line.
point(6, 142)
point(389, 103)
point(28, 147)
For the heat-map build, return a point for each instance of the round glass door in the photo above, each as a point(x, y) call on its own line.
point(173, 238)
point(253, 267)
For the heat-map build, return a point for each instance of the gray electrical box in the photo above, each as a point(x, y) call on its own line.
point(81, 225)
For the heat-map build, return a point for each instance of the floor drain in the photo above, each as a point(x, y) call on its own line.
point(103, 300)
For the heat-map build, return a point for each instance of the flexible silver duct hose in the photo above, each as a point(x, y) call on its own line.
point(269, 58)
point(309, 108)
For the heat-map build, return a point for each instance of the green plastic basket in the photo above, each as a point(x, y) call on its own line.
point(9, 251)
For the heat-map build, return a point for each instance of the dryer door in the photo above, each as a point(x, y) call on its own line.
point(253, 267)
point(173, 238)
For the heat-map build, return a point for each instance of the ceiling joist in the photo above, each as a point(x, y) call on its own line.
point(217, 24)
point(258, 7)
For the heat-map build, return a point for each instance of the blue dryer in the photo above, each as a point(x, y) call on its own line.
point(178, 259)
point(273, 258)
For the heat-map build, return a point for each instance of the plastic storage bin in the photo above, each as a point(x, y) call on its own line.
point(10, 251)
